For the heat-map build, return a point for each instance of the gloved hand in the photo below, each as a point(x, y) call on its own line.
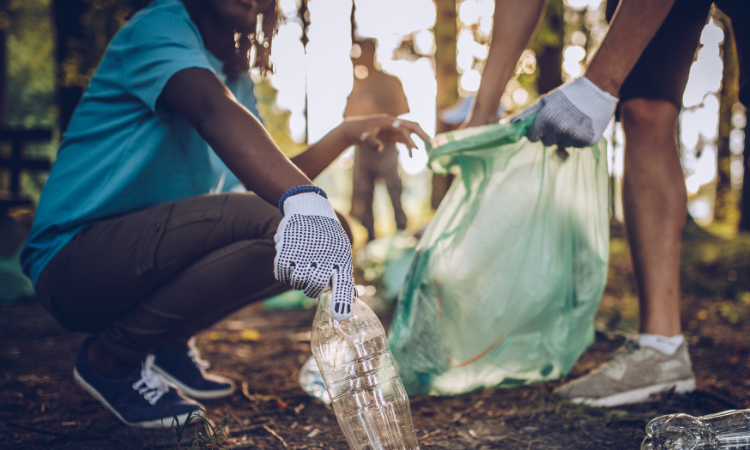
point(313, 251)
point(574, 115)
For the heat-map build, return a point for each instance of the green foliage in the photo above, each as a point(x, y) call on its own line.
point(31, 69)
point(29, 32)
point(549, 37)
point(99, 23)
point(550, 32)
point(276, 120)
point(714, 267)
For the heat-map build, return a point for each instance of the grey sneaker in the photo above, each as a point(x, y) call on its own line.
point(631, 375)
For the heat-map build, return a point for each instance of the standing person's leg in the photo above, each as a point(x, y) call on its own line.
point(389, 173)
point(363, 191)
point(655, 204)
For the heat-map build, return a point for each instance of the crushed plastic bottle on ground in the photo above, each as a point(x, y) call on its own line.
point(728, 430)
point(368, 397)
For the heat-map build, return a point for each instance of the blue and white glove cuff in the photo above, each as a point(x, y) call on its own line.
point(298, 190)
point(308, 204)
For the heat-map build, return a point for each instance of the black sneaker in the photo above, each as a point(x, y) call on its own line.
point(139, 400)
point(183, 367)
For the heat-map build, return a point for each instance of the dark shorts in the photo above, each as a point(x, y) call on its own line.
point(662, 70)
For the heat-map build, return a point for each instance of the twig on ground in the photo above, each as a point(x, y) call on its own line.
point(432, 433)
point(246, 393)
point(283, 442)
point(505, 436)
point(241, 445)
point(236, 419)
point(36, 430)
point(522, 415)
point(517, 440)
point(247, 428)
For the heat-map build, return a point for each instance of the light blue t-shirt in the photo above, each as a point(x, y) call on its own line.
point(125, 150)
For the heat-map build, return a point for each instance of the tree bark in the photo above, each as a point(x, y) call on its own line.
point(3, 78)
point(67, 17)
point(725, 208)
point(744, 208)
point(446, 31)
point(549, 57)
point(83, 33)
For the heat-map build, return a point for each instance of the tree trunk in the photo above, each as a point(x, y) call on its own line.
point(549, 57)
point(67, 16)
point(610, 9)
point(744, 224)
point(84, 29)
point(446, 31)
point(725, 209)
point(3, 78)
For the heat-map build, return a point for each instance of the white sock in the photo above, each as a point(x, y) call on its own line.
point(666, 345)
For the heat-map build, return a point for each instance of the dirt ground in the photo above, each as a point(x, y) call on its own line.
point(42, 407)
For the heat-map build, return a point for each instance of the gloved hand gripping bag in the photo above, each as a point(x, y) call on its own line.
point(505, 282)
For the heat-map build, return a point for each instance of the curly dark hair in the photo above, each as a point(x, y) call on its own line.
point(247, 41)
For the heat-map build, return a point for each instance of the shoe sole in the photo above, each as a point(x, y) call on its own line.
point(166, 422)
point(638, 395)
point(193, 393)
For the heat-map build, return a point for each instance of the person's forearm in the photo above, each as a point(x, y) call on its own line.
point(250, 153)
point(513, 25)
point(634, 25)
point(370, 131)
point(237, 137)
point(320, 155)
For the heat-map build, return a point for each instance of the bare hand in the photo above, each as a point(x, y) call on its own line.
point(376, 130)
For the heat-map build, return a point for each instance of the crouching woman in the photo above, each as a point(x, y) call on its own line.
point(127, 246)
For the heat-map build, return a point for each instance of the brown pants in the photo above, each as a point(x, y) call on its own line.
point(164, 273)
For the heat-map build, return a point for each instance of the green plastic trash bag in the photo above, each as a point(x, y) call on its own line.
point(14, 286)
point(505, 282)
point(289, 300)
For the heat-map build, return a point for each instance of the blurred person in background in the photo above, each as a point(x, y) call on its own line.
point(374, 92)
point(644, 59)
point(126, 245)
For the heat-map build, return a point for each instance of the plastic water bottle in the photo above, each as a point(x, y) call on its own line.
point(368, 397)
point(728, 430)
point(312, 382)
